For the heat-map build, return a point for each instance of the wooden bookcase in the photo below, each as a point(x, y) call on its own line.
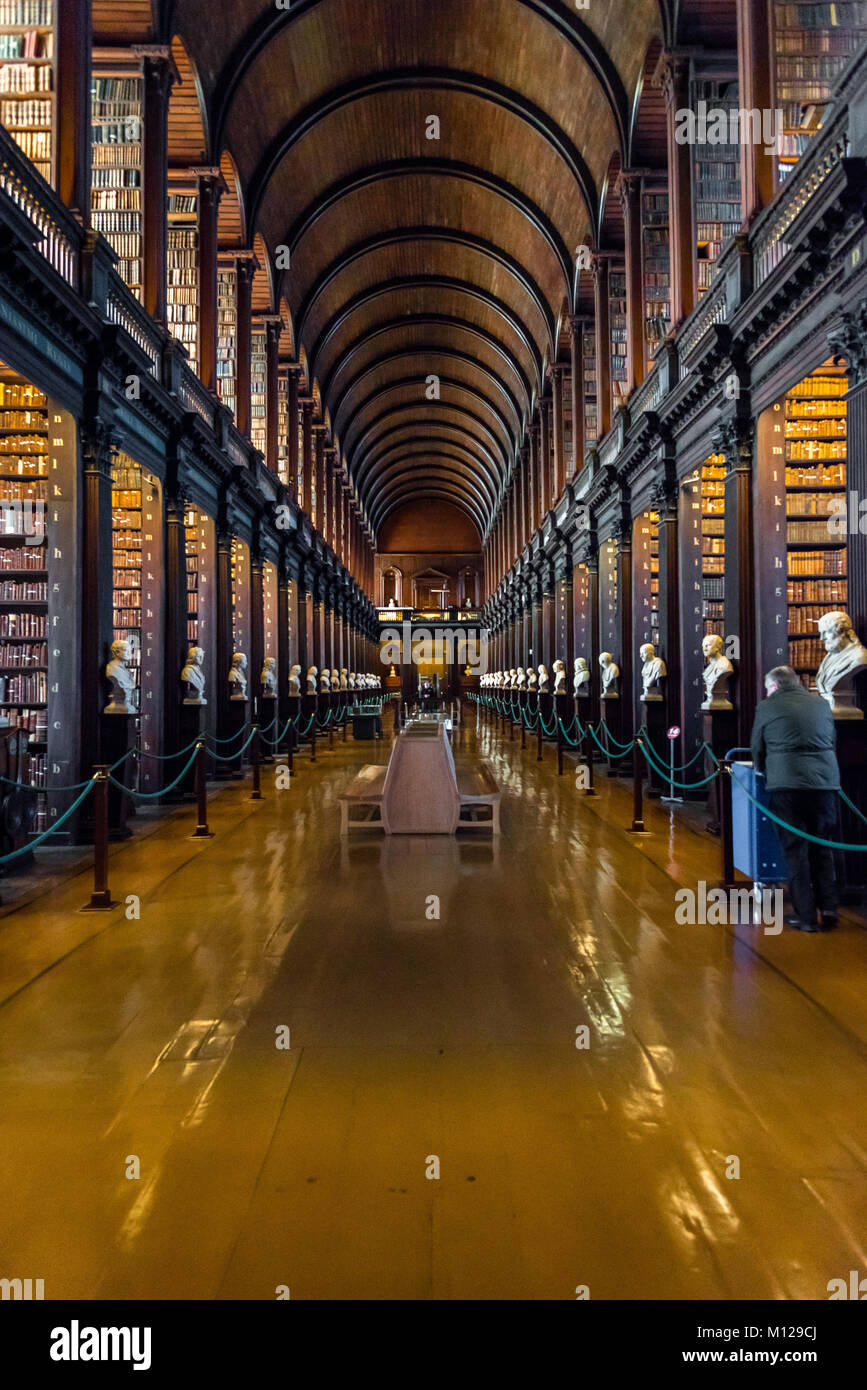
point(815, 463)
point(588, 348)
point(810, 45)
point(283, 428)
point(117, 144)
point(227, 336)
point(655, 268)
point(617, 322)
point(716, 185)
point(713, 545)
point(182, 266)
point(27, 79)
point(258, 388)
point(645, 551)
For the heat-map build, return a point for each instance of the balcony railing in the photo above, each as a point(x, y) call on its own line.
point(193, 396)
point(61, 236)
point(124, 309)
point(768, 235)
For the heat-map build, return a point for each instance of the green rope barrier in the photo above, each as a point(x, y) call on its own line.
point(572, 742)
point(852, 806)
point(545, 730)
point(151, 796)
point(607, 751)
point(52, 829)
point(815, 839)
point(229, 756)
point(682, 767)
point(272, 742)
point(236, 734)
point(167, 757)
point(74, 786)
point(625, 747)
point(663, 773)
point(307, 730)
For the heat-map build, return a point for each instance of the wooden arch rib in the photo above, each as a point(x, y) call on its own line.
point(437, 429)
point(396, 326)
point(264, 30)
point(435, 79)
point(450, 491)
point(401, 235)
point(474, 425)
point(447, 465)
point(507, 436)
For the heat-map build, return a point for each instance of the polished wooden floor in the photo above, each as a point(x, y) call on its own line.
point(413, 1037)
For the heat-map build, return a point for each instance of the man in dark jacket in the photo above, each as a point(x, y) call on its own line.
point(793, 743)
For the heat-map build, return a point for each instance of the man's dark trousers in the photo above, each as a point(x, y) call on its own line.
point(810, 868)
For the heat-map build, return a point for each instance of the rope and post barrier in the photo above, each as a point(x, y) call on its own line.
point(100, 898)
point(638, 827)
point(256, 759)
point(201, 831)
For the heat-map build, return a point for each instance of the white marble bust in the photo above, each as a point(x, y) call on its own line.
point(352, 681)
point(122, 699)
point(521, 679)
point(716, 674)
point(295, 680)
point(652, 671)
point(846, 658)
point(324, 680)
point(312, 673)
point(343, 678)
point(513, 678)
point(335, 678)
point(268, 678)
point(238, 677)
point(559, 678)
point(580, 677)
point(610, 676)
point(193, 676)
point(543, 680)
point(532, 680)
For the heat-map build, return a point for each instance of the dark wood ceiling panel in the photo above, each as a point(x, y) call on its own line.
point(122, 21)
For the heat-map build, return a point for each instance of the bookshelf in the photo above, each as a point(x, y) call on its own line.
point(241, 603)
point(716, 183)
point(815, 464)
point(117, 107)
point(302, 500)
point(713, 546)
point(227, 322)
point(283, 428)
point(191, 552)
point(617, 321)
point(646, 571)
point(27, 79)
point(182, 267)
point(258, 388)
point(126, 528)
point(588, 349)
point(655, 270)
point(24, 604)
point(811, 44)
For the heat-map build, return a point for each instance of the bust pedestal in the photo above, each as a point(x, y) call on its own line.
point(239, 715)
point(651, 712)
point(117, 736)
point(190, 725)
point(611, 714)
point(268, 714)
point(719, 729)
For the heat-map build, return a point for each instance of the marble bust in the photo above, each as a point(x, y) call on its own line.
point(312, 673)
point(543, 680)
point(238, 677)
point(324, 680)
point(343, 676)
point(335, 678)
point(532, 680)
point(351, 681)
point(513, 678)
point(193, 677)
point(652, 671)
point(580, 677)
point(716, 674)
point(846, 658)
point(559, 678)
point(295, 680)
point(521, 680)
point(122, 700)
point(610, 676)
point(268, 678)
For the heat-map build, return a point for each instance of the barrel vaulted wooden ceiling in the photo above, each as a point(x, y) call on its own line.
point(410, 256)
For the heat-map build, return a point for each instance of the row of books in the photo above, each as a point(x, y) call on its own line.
point(817, 561)
point(22, 420)
point(20, 394)
point(23, 591)
point(16, 13)
point(820, 591)
point(833, 475)
point(25, 690)
point(129, 541)
point(127, 576)
point(809, 652)
point(36, 144)
point(802, 532)
point(117, 155)
point(24, 490)
point(812, 409)
point(29, 114)
point(116, 198)
point(23, 654)
point(115, 89)
point(816, 449)
point(25, 77)
point(812, 503)
point(808, 429)
point(23, 625)
point(32, 721)
point(25, 557)
point(27, 450)
point(115, 176)
point(29, 45)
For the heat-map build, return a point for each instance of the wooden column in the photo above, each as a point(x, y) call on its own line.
point(601, 267)
point(307, 457)
point(672, 75)
point(74, 40)
point(754, 88)
point(576, 348)
point(534, 476)
point(665, 504)
point(246, 265)
point(272, 371)
point(524, 484)
point(557, 372)
point(516, 511)
point(99, 442)
point(293, 372)
point(545, 458)
point(257, 628)
point(593, 604)
point(223, 642)
point(211, 186)
point(627, 661)
point(629, 188)
point(735, 440)
point(160, 74)
point(285, 624)
point(175, 642)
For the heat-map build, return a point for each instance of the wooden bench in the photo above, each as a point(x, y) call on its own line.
point(365, 792)
point(478, 790)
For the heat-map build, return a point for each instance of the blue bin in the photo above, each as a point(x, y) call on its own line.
point(755, 843)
